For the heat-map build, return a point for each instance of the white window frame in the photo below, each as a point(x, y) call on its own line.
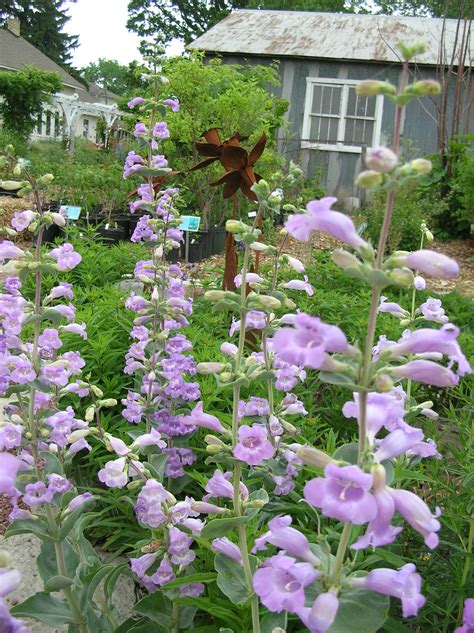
point(339, 146)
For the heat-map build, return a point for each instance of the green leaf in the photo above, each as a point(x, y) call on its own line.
point(52, 463)
point(347, 453)
point(157, 608)
point(56, 583)
point(217, 611)
point(205, 577)
point(28, 526)
point(46, 561)
point(45, 608)
point(221, 527)
point(231, 579)
point(371, 609)
point(271, 621)
point(339, 379)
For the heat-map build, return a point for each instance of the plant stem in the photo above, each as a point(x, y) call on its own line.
point(238, 465)
point(341, 551)
point(175, 618)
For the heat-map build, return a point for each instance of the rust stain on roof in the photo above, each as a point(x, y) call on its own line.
point(326, 35)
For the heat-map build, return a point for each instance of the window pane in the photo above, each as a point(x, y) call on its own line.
point(360, 106)
point(48, 124)
point(335, 100)
point(349, 134)
point(369, 133)
point(351, 102)
point(323, 129)
point(317, 95)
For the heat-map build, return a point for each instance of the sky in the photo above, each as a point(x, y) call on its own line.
point(101, 26)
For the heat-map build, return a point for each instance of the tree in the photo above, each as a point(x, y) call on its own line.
point(109, 74)
point(23, 94)
point(41, 24)
point(186, 20)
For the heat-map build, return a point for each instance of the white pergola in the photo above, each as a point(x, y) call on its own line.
point(71, 108)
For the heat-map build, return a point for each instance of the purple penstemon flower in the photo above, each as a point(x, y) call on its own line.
point(392, 308)
point(343, 493)
point(467, 617)
point(66, 257)
point(285, 537)
point(415, 512)
point(432, 263)
point(253, 446)
point(299, 284)
point(280, 583)
point(306, 343)
point(219, 485)
point(427, 372)
point(320, 217)
point(160, 130)
point(173, 104)
point(114, 473)
point(135, 101)
point(224, 546)
point(404, 584)
point(321, 615)
point(197, 417)
point(9, 466)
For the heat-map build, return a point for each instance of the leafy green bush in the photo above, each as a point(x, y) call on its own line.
point(413, 205)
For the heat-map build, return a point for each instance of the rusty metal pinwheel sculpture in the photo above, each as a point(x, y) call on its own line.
point(239, 174)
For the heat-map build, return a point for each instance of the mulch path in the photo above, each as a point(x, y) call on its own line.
point(461, 251)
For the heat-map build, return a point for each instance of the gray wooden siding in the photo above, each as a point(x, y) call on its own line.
point(337, 170)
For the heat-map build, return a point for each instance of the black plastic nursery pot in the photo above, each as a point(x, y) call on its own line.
point(111, 236)
point(218, 234)
point(205, 238)
point(195, 251)
point(51, 232)
point(172, 256)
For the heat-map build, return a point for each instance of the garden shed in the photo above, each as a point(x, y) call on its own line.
point(322, 56)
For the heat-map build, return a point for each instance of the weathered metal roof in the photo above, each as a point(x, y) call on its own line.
point(341, 36)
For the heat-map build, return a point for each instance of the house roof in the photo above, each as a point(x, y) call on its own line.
point(16, 53)
point(341, 36)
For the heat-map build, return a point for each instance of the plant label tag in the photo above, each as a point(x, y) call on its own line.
point(189, 223)
point(252, 214)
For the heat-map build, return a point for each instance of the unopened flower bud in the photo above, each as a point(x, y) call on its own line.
point(409, 52)
point(421, 166)
point(214, 449)
point(262, 189)
point(46, 179)
point(372, 88)
point(425, 88)
point(344, 259)
point(379, 476)
point(383, 383)
point(78, 435)
point(214, 295)
point(381, 159)
point(314, 457)
point(58, 219)
point(269, 302)
point(225, 376)
point(401, 277)
point(205, 369)
point(155, 295)
point(259, 246)
point(90, 411)
point(5, 558)
point(98, 393)
point(369, 179)
point(429, 235)
point(212, 439)
point(133, 485)
point(207, 508)
point(108, 402)
point(234, 226)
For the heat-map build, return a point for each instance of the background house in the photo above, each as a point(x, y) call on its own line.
point(76, 110)
point(322, 56)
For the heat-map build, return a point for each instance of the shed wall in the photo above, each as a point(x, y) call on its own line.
point(337, 170)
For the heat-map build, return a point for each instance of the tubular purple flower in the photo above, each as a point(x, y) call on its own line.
point(197, 417)
point(9, 581)
point(253, 446)
point(404, 584)
point(114, 473)
point(432, 263)
point(427, 372)
point(392, 308)
point(79, 501)
point(306, 343)
point(9, 466)
point(383, 410)
point(397, 443)
point(419, 282)
point(219, 485)
point(343, 493)
point(135, 101)
point(8, 250)
point(320, 617)
point(467, 618)
point(427, 340)
point(380, 531)
point(415, 512)
point(280, 583)
point(320, 217)
point(172, 103)
point(224, 546)
point(300, 284)
point(286, 538)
